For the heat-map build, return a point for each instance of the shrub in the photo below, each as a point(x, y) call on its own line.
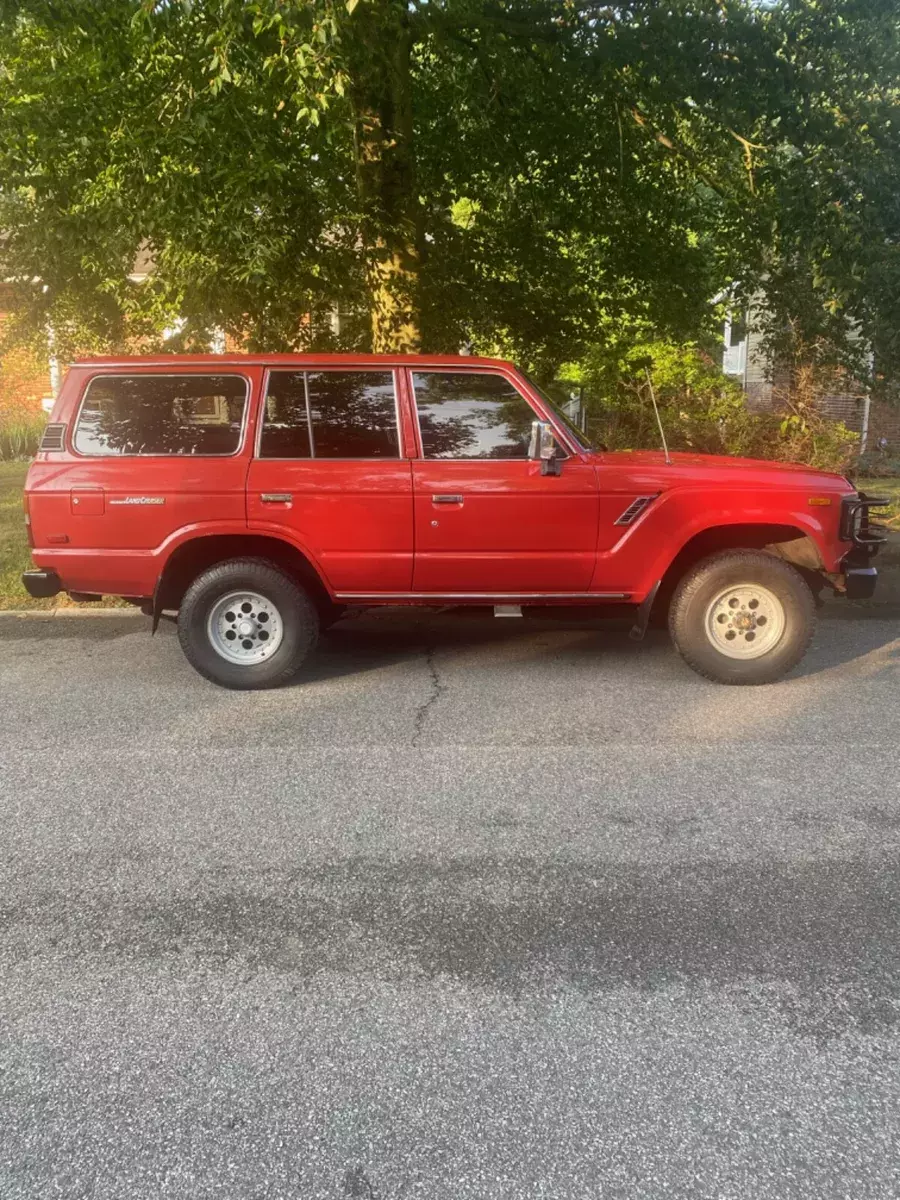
point(702, 409)
point(20, 434)
point(879, 465)
point(794, 437)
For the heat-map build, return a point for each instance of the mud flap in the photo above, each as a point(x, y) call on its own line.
point(639, 628)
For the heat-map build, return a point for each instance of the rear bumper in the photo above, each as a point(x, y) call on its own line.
point(41, 584)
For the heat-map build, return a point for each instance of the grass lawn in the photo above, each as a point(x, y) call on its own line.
point(885, 487)
point(15, 557)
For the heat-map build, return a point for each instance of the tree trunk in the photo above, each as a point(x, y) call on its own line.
point(381, 92)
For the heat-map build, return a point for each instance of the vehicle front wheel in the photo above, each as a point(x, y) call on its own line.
point(742, 617)
point(245, 624)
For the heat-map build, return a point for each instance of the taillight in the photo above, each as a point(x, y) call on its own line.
point(28, 530)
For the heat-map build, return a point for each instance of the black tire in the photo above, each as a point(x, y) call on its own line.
point(699, 589)
point(300, 623)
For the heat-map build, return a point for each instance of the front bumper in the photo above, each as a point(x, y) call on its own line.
point(860, 583)
point(860, 578)
point(42, 584)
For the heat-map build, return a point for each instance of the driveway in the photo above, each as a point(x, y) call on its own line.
point(480, 909)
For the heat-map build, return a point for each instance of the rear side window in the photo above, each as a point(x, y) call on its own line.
point(330, 414)
point(162, 414)
point(466, 415)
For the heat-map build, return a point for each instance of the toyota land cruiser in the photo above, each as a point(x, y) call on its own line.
point(257, 496)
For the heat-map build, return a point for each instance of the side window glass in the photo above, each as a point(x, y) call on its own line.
point(162, 415)
point(285, 431)
point(330, 414)
point(465, 415)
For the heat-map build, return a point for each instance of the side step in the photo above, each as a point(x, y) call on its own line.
point(507, 610)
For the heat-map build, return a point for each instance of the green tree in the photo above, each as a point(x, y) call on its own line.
point(519, 174)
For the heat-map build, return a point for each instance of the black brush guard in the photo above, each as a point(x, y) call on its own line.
point(867, 536)
point(857, 525)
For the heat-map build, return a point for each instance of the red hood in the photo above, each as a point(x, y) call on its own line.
point(685, 464)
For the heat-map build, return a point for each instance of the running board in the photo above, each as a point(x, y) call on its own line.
point(515, 598)
point(507, 610)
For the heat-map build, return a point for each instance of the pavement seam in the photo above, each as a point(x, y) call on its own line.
point(438, 688)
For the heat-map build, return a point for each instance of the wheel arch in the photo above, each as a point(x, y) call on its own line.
point(784, 541)
point(190, 558)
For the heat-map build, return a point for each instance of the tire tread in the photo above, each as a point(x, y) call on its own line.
point(755, 671)
point(250, 572)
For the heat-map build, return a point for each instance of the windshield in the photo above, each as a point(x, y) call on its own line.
point(579, 437)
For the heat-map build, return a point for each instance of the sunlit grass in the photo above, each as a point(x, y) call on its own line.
point(885, 487)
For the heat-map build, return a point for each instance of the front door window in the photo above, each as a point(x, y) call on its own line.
point(464, 415)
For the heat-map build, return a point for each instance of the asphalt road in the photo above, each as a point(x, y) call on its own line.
point(480, 909)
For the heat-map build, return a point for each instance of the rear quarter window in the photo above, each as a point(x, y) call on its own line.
point(162, 415)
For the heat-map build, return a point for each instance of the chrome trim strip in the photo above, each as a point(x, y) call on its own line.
point(309, 424)
point(163, 375)
point(482, 595)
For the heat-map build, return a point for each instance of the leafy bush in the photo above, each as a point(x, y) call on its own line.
point(20, 434)
point(702, 409)
point(879, 465)
point(801, 437)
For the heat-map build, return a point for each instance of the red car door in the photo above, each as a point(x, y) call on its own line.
point(487, 521)
point(329, 475)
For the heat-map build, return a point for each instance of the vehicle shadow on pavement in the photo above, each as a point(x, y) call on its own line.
point(91, 626)
point(843, 645)
point(374, 640)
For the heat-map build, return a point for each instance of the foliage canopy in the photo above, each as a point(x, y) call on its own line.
point(520, 175)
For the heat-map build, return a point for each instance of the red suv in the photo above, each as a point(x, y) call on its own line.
point(260, 495)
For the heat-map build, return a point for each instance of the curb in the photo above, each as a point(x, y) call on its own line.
point(833, 607)
point(49, 614)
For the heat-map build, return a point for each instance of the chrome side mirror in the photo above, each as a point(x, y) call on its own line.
point(543, 447)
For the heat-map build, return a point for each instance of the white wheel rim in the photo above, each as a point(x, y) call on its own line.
point(745, 621)
point(245, 628)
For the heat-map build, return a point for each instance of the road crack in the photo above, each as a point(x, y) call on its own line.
point(437, 689)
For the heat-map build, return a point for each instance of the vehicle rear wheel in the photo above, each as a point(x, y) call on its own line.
point(245, 624)
point(742, 617)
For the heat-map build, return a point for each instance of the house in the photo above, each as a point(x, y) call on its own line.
point(28, 381)
point(745, 358)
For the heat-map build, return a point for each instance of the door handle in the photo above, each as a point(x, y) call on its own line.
point(276, 497)
point(446, 499)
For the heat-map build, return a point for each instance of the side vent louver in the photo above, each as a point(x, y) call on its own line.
point(54, 438)
point(634, 509)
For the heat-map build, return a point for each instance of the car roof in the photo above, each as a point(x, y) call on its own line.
point(270, 360)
